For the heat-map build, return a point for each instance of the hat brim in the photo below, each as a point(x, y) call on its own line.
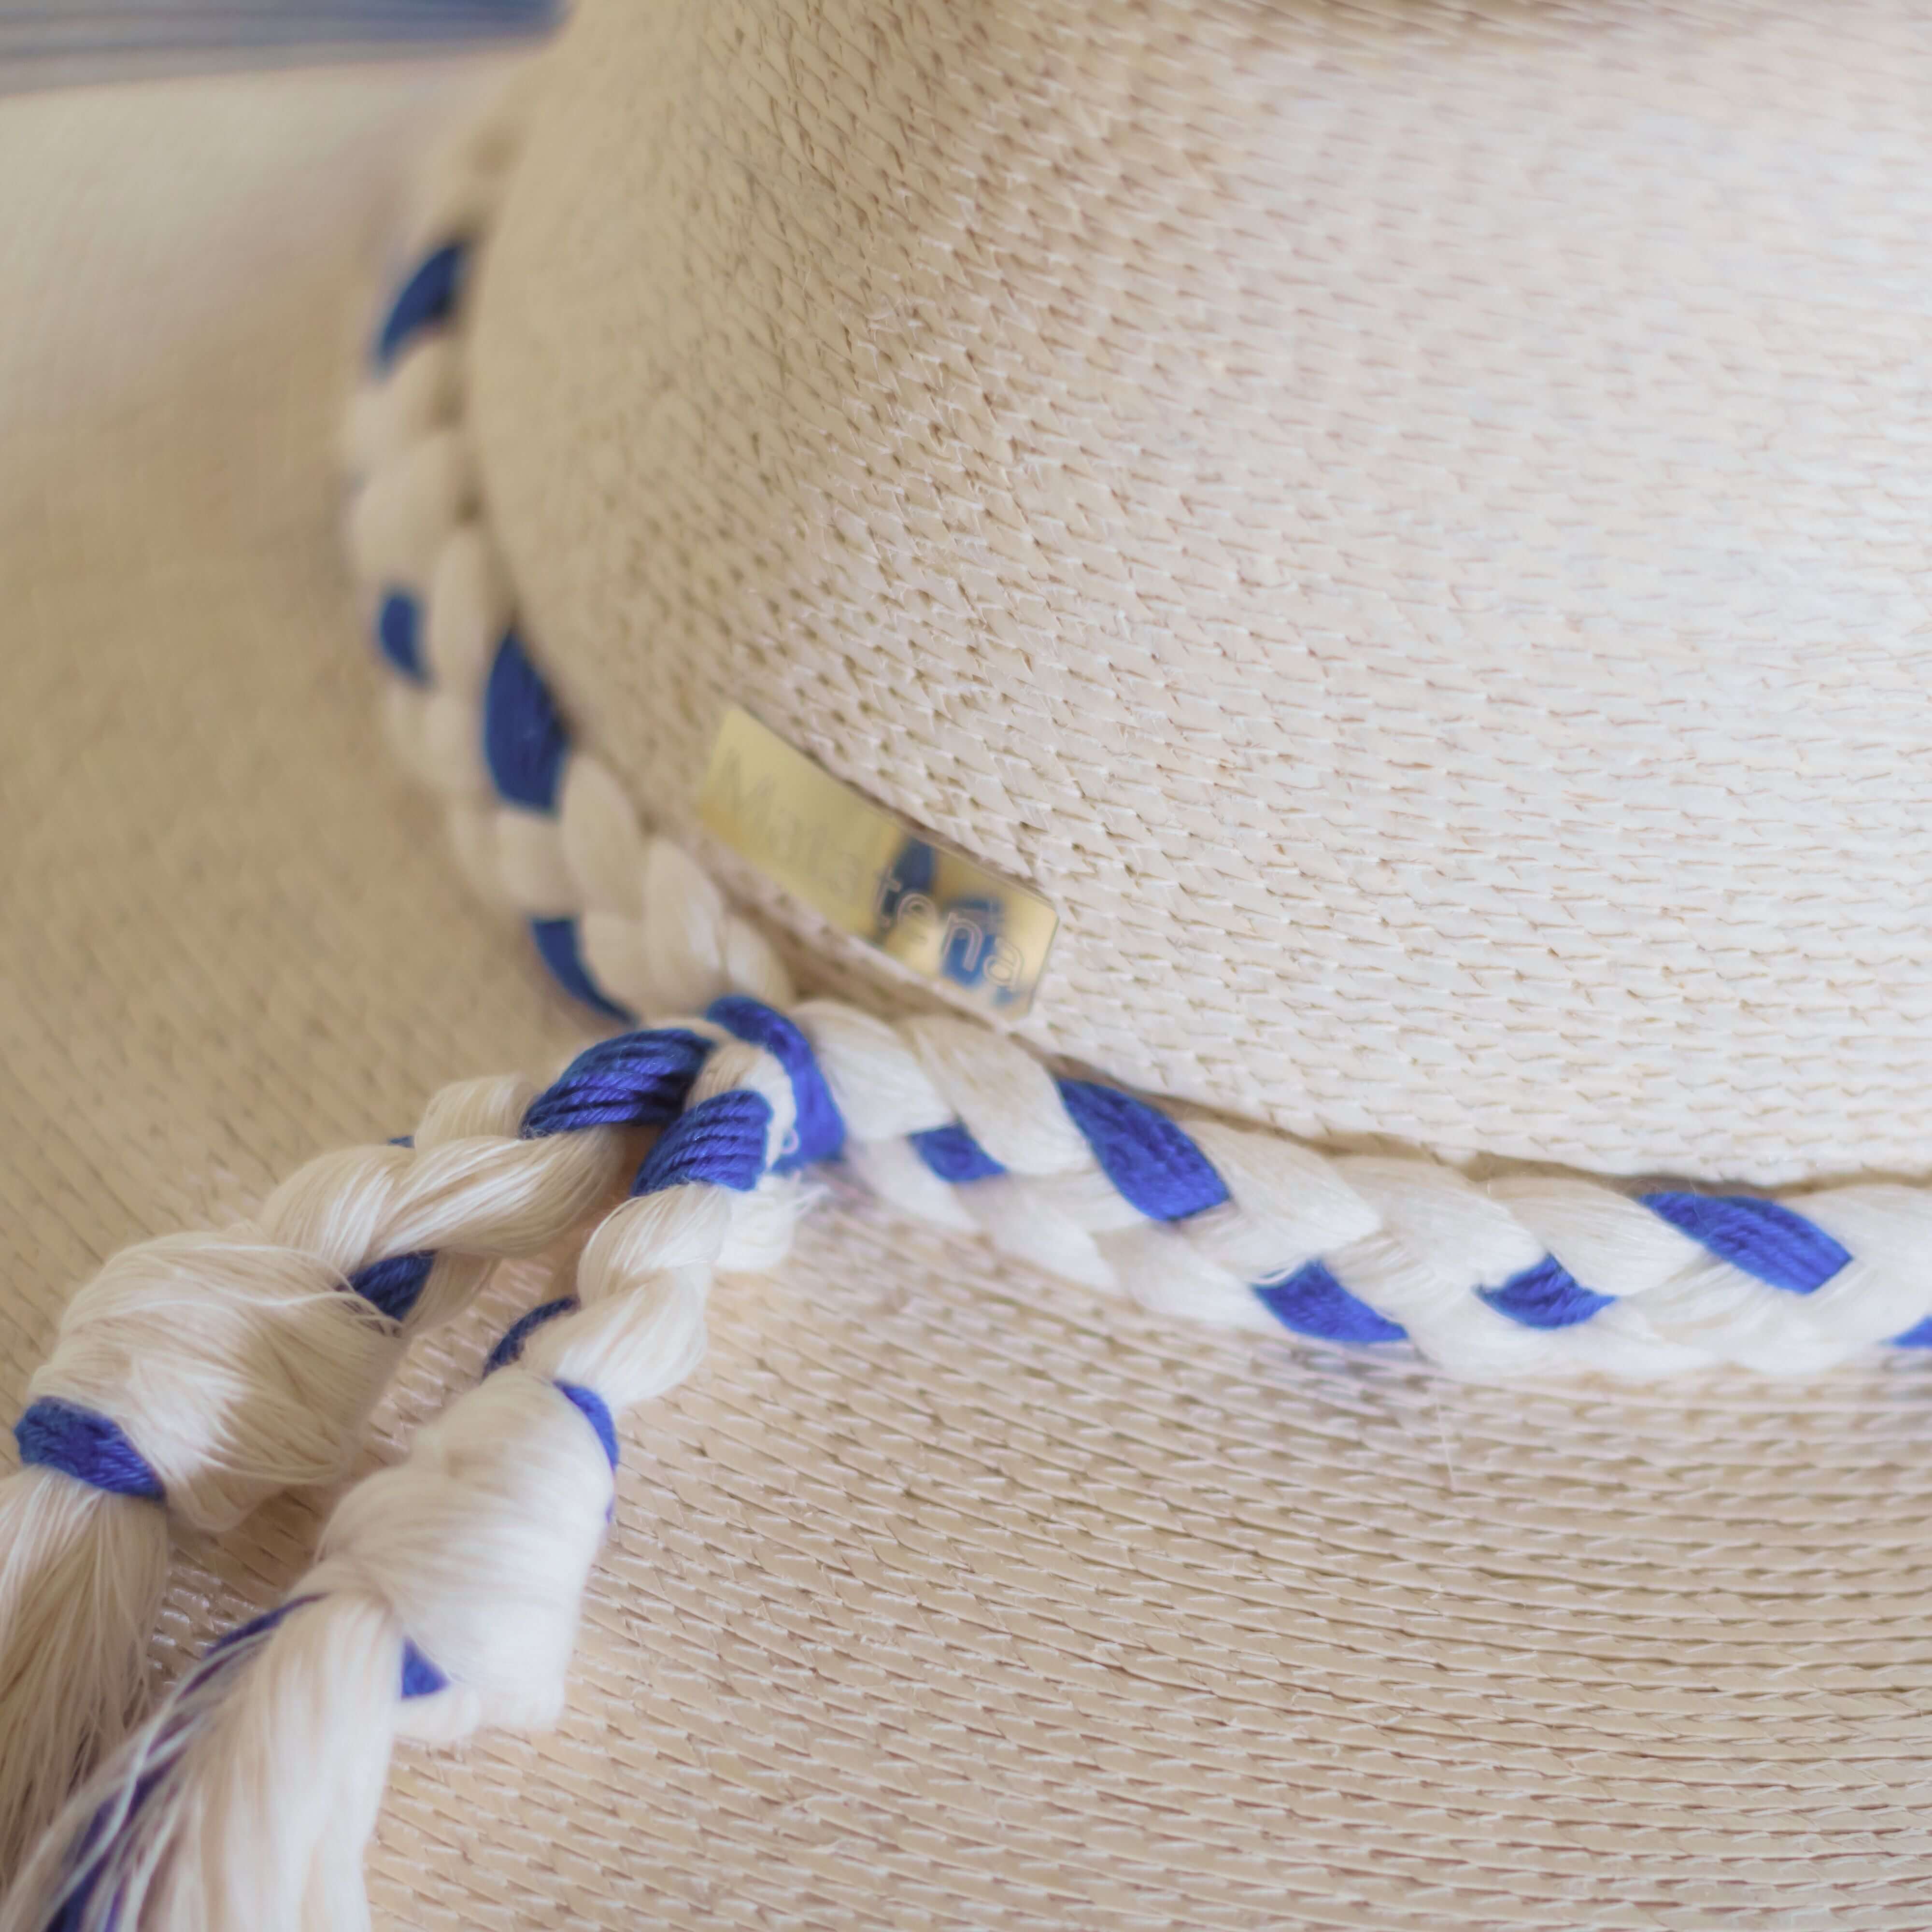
point(943, 1595)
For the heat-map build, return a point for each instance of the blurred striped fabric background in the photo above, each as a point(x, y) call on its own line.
point(50, 43)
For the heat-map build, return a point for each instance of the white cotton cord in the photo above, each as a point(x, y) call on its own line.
point(422, 396)
point(448, 1591)
point(197, 1375)
point(1413, 1239)
point(258, 1786)
point(652, 932)
point(402, 516)
point(82, 1574)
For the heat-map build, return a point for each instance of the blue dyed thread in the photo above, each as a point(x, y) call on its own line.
point(820, 1133)
point(90, 1861)
point(636, 1080)
point(596, 1412)
point(1546, 1296)
point(558, 948)
point(523, 738)
point(1311, 1301)
point(630, 1080)
point(720, 1142)
point(92, 1449)
point(526, 743)
point(510, 1343)
point(954, 1155)
point(421, 1678)
point(256, 1626)
point(1764, 1238)
point(427, 300)
point(392, 1285)
point(1154, 1165)
point(399, 635)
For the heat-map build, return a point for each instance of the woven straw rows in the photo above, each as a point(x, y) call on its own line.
point(1406, 524)
point(944, 1596)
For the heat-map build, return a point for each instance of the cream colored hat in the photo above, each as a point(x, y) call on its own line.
point(1184, 677)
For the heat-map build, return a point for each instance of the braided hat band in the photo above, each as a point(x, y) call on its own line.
point(1529, 1272)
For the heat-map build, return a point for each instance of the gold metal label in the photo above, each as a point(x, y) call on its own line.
point(870, 873)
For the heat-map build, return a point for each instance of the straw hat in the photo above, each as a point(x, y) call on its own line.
point(1400, 530)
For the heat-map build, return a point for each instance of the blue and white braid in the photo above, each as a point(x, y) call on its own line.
point(199, 1374)
point(447, 1593)
point(1526, 1274)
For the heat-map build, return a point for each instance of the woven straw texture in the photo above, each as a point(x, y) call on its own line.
point(944, 1596)
point(1404, 520)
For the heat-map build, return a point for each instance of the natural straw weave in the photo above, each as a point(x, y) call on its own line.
point(944, 1596)
point(1407, 521)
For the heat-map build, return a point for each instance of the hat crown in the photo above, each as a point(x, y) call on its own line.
point(1410, 538)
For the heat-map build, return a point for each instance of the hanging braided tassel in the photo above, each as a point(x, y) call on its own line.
point(196, 1376)
point(447, 1593)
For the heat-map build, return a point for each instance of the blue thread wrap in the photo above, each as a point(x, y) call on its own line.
point(1545, 1295)
point(820, 1132)
point(510, 1343)
point(1311, 1302)
point(92, 1448)
point(524, 742)
point(721, 1141)
point(399, 635)
point(559, 946)
point(426, 300)
point(630, 1080)
point(1154, 1165)
point(954, 1155)
point(421, 1678)
point(637, 1079)
point(596, 1412)
point(1764, 1238)
point(392, 1285)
